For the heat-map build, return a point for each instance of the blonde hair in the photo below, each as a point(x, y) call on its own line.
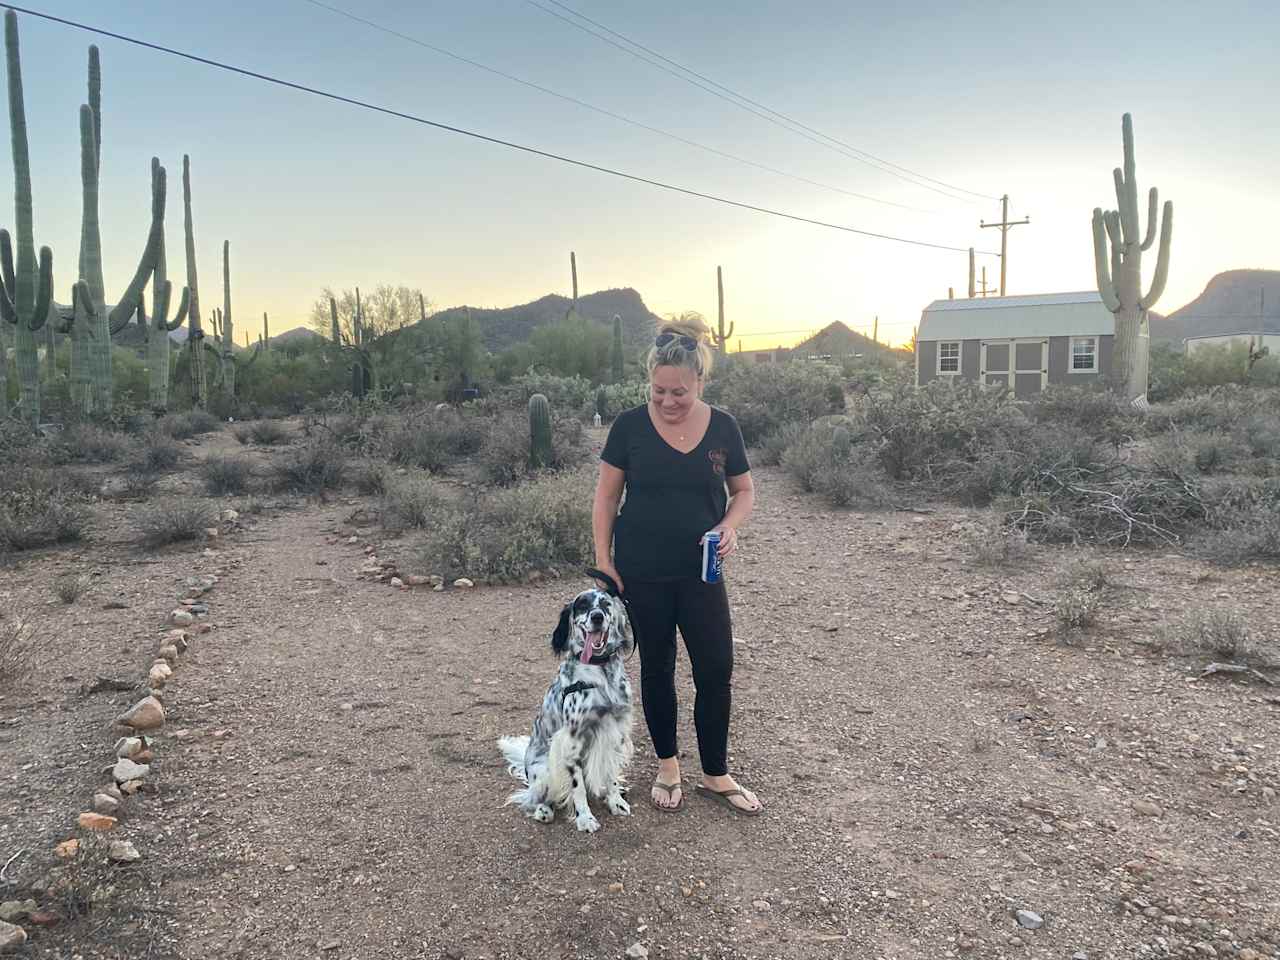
point(674, 354)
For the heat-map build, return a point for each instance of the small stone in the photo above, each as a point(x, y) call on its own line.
point(97, 822)
point(146, 714)
point(159, 674)
point(417, 580)
point(168, 653)
point(353, 540)
point(105, 804)
point(466, 583)
point(637, 950)
point(66, 849)
point(438, 588)
point(44, 918)
point(347, 707)
point(11, 911)
point(122, 851)
point(1147, 808)
point(131, 787)
point(397, 583)
point(330, 945)
point(291, 868)
point(1268, 795)
point(615, 887)
point(761, 905)
point(13, 936)
point(182, 618)
point(1079, 955)
point(1029, 919)
point(130, 746)
point(211, 533)
point(126, 770)
point(1011, 598)
point(230, 516)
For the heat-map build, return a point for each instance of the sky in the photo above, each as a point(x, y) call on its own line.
point(1020, 98)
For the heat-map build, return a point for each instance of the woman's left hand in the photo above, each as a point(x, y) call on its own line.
point(728, 540)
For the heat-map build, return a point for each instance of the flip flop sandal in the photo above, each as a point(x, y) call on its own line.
point(723, 796)
point(669, 788)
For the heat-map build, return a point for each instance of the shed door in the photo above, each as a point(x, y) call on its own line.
point(995, 362)
point(1031, 367)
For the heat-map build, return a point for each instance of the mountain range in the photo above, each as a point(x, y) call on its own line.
point(1237, 301)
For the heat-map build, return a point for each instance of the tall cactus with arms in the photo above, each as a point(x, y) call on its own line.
point(1119, 271)
point(721, 336)
point(107, 324)
point(27, 286)
point(159, 326)
point(617, 361)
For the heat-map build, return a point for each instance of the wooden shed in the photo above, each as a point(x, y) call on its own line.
point(1021, 343)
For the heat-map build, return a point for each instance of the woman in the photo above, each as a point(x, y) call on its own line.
point(674, 457)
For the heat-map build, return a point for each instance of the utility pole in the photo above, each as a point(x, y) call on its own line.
point(875, 330)
point(1004, 226)
point(985, 290)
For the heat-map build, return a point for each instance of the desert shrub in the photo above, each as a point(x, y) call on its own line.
point(156, 452)
point(86, 882)
point(226, 475)
point(1227, 363)
point(175, 520)
point(370, 478)
point(771, 449)
point(507, 534)
point(410, 502)
point(1253, 536)
point(567, 395)
point(17, 652)
point(990, 544)
point(313, 467)
point(1092, 411)
point(1192, 452)
point(266, 433)
point(504, 455)
point(193, 423)
point(1167, 372)
point(1259, 434)
point(37, 508)
point(432, 439)
point(765, 396)
point(70, 587)
point(89, 443)
point(1082, 598)
point(623, 396)
point(827, 459)
point(1220, 634)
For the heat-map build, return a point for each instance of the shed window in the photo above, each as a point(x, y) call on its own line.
point(1084, 354)
point(949, 356)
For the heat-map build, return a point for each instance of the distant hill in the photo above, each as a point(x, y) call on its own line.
point(1238, 301)
point(504, 328)
point(837, 340)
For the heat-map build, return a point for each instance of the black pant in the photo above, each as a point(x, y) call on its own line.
point(701, 611)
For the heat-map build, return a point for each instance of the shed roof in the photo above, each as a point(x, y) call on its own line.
point(1075, 314)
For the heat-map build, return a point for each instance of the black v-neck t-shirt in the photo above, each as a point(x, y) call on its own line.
point(671, 498)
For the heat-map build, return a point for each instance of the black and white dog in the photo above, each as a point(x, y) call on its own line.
point(581, 739)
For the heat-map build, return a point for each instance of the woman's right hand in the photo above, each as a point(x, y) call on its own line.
point(607, 567)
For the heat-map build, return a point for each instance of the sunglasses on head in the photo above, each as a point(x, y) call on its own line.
point(688, 343)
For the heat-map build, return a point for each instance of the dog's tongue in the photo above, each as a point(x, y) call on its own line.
point(588, 645)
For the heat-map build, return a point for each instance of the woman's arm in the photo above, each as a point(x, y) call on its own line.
point(604, 511)
point(742, 499)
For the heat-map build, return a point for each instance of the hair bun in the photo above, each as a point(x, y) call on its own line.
point(687, 325)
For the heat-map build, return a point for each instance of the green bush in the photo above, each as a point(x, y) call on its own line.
point(89, 443)
point(193, 423)
point(225, 476)
point(432, 439)
point(314, 467)
point(267, 433)
point(573, 393)
point(156, 452)
point(765, 396)
point(410, 503)
point(38, 509)
point(827, 459)
point(370, 479)
point(175, 520)
point(623, 396)
point(506, 535)
point(772, 448)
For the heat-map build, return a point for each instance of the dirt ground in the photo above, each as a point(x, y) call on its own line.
point(933, 756)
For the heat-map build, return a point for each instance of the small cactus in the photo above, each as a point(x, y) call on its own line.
point(539, 431)
point(841, 443)
point(602, 402)
point(721, 336)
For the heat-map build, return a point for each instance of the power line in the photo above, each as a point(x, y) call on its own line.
point(855, 153)
point(601, 110)
point(636, 178)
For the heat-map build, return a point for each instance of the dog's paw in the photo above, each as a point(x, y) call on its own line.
point(543, 814)
point(617, 806)
point(587, 823)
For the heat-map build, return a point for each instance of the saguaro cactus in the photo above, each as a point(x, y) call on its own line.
point(27, 285)
point(225, 336)
point(616, 361)
point(1119, 272)
point(159, 325)
point(539, 431)
point(195, 333)
point(720, 336)
point(266, 332)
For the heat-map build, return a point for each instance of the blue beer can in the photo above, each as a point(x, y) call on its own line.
point(710, 558)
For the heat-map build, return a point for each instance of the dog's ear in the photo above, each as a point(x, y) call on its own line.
point(628, 629)
point(560, 638)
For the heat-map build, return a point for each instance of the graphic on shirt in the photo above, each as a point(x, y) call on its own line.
point(718, 457)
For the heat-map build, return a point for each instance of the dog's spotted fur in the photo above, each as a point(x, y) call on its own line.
point(581, 740)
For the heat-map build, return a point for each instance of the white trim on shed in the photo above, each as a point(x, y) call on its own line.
point(1080, 314)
